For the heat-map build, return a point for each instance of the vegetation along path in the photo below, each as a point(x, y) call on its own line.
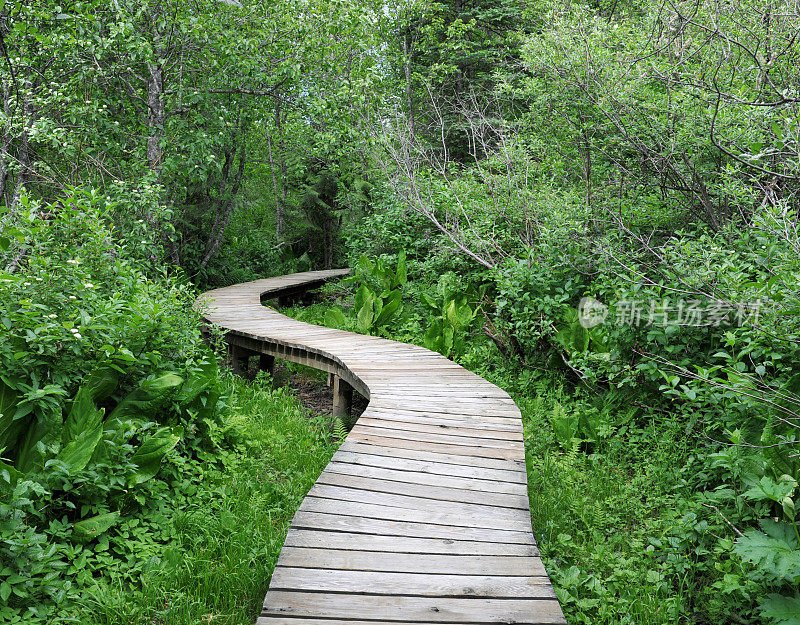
point(422, 515)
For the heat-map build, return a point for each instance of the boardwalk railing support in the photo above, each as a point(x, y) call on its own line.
point(342, 398)
point(239, 359)
point(267, 363)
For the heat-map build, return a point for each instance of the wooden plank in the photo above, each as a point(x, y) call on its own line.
point(430, 462)
point(431, 517)
point(453, 437)
point(331, 520)
point(460, 427)
point(432, 479)
point(426, 491)
point(443, 448)
point(297, 537)
point(424, 609)
point(418, 504)
point(416, 584)
point(353, 560)
point(510, 424)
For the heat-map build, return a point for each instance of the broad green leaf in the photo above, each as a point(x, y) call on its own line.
point(401, 275)
point(433, 336)
point(8, 474)
point(365, 264)
point(781, 610)
point(366, 315)
point(775, 550)
point(10, 428)
point(448, 340)
point(390, 307)
point(147, 398)
point(766, 489)
point(430, 303)
point(100, 383)
point(148, 457)
point(77, 453)
point(335, 318)
point(88, 529)
point(41, 426)
point(83, 416)
point(199, 380)
point(362, 294)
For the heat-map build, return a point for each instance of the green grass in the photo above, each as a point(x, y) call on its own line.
point(225, 521)
point(603, 513)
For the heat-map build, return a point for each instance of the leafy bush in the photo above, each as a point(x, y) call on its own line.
point(103, 374)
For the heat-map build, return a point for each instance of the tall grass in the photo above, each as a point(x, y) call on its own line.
point(227, 521)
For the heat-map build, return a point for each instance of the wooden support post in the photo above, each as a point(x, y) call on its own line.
point(342, 398)
point(239, 359)
point(267, 363)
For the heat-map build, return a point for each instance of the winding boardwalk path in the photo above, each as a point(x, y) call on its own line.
point(422, 515)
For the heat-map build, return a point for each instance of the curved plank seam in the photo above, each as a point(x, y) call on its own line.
point(425, 524)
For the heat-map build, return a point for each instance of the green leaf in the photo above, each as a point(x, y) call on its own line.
point(88, 529)
point(37, 428)
point(335, 318)
point(10, 428)
point(5, 243)
point(148, 457)
point(9, 476)
point(565, 426)
point(775, 550)
point(448, 338)
point(401, 275)
point(766, 489)
point(390, 307)
point(362, 294)
point(366, 314)
point(83, 416)
point(430, 303)
point(433, 336)
point(782, 610)
point(199, 380)
point(5, 591)
point(77, 453)
point(147, 398)
point(100, 383)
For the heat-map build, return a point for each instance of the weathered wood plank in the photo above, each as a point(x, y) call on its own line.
point(322, 539)
point(415, 584)
point(426, 609)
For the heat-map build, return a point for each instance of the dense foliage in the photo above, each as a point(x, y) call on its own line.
point(593, 204)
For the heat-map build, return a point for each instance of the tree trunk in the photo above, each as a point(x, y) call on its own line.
point(24, 156)
point(409, 94)
point(5, 141)
point(155, 117)
point(224, 208)
point(280, 197)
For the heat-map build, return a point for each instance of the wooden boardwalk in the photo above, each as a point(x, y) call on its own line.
point(422, 515)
